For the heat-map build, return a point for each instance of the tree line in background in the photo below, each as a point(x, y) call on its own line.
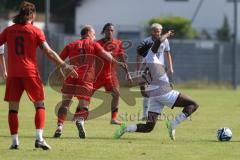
point(184, 30)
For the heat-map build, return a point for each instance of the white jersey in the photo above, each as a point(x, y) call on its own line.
point(2, 49)
point(164, 47)
point(159, 91)
point(158, 77)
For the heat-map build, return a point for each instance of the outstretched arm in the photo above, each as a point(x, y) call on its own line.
point(161, 39)
point(107, 55)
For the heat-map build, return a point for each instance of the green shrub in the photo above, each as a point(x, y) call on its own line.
point(181, 26)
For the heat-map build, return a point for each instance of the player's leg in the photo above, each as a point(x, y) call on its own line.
point(34, 89)
point(145, 108)
point(189, 107)
point(80, 116)
point(155, 107)
point(39, 125)
point(114, 106)
point(13, 93)
point(142, 128)
point(84, 92)
point(62, 114)
point(112, 85)
point(13, 123)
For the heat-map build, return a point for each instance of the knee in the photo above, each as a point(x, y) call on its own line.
point(192, 107)
point(195, 105)
point(39, 104)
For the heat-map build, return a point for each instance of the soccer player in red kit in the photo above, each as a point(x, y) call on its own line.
point(108, 76)
point(84, 54)
point(23, 39)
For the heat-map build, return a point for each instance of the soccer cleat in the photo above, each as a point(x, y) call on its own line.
point(57, 133)
point(120, 131)
point(171, 131)
point(12, 147)
point(81, 129)
point(115, 121)
point(42, 144)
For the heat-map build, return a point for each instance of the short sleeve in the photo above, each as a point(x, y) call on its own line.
point(2, 49)
point(98, 48)
point(40, 37)
point(143, 48)
point(167, 46)
point(65, 53)
point(3, 37)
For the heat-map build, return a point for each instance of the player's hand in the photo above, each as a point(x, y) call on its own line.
point(170, 77)
point(170, 33)
point(123, 65)
point(68, 70)
point(129, 78)
point(5, 75)
point(170, 72)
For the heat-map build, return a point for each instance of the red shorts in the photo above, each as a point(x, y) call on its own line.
point(16, 85)
point(108, 83)
point(78, 88)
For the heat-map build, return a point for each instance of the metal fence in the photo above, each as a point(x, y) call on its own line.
point(194, 60)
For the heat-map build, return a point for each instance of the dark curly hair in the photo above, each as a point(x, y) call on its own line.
point(106, 26)
point(26, 11)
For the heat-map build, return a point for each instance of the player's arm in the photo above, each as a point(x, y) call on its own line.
point(161, 39)
point(53, 56)
point(108, 56)
point(128, 76)
point(169, 62)
point(2, 62)
point(138, 61)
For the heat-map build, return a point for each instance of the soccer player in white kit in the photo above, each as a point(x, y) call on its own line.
point(163, 53)
point(160, 94)
point(2, 62)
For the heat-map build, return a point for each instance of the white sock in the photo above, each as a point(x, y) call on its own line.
point(81, 121)
point(145, 106)
point(179, 118)
point(60, 126)
point(15, 140)
point(39, 134)
point(131, 128)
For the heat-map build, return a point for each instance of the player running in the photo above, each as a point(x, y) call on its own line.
point(85, 54)
point(108, 76)
point(23, 39)
point(2, 63)
point(160, 94)
point(163, 53)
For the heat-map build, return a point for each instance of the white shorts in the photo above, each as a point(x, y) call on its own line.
point(157, 103)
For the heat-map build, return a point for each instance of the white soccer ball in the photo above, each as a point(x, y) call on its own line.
point(224, 134)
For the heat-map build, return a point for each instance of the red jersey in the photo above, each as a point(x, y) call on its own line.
point(22, 41)
point(113, 46)
point(84, 54)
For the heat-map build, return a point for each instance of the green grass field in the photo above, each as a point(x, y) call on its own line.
point(196, 138)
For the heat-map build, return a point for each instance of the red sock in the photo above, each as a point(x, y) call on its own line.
point(40, 118)
point(81, 113)
point(13, 121)
point(114, 114)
